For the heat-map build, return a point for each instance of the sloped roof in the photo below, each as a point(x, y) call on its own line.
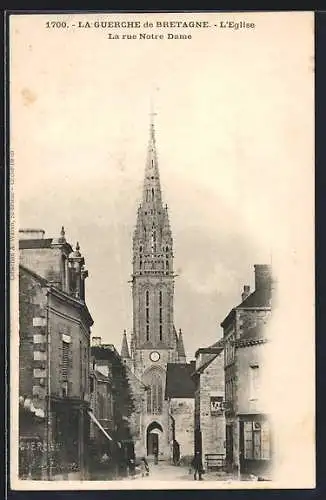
point(179, 383)
point(202, 367)
point(41, 243)
point(104, 352)
point(36, 243)
point(39, 278)
point(259, 298)
point(101, 377)
point(212, 349)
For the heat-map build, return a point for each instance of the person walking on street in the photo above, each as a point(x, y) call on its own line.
point(155, 453)
point(197, 466)
point(176, 453)
point(144, 467)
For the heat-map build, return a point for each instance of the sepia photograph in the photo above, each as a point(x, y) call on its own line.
point(162, 250)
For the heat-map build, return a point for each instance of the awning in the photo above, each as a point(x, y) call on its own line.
point(91, 414)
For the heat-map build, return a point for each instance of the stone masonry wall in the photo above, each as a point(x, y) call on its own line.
point(212, 427)
point(182, 410)
point(32, 316)
point(247, 357)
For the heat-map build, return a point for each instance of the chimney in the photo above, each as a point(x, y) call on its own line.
point(31, 234)
point(245, 293)
point(263, 276)
point(96, 341)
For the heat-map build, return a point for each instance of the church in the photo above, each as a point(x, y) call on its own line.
point(154, 342)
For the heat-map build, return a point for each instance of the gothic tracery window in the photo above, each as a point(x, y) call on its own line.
point(155, 394)
point(147, 314)
point(160, 315)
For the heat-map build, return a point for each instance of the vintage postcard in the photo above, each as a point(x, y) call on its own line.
point(162, 250)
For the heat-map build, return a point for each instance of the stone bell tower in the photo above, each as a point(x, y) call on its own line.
point(154, 340)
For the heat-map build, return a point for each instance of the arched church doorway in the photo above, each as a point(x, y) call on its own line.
point(154, 431)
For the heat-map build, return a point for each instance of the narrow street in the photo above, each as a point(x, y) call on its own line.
point(164, 471)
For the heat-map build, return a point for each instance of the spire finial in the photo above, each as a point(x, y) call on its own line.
point(77, 252)
point(181, 349)
point(152, 107)
point(152, 112)
point(62, 238)
point(124, 346)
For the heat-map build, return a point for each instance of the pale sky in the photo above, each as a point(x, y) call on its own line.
point(234, 111)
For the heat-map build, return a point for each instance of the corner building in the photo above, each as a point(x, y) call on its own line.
point(154, 341)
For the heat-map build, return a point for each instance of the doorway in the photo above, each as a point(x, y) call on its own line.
point(229, 444)
point(154, 430)
point(152, 443)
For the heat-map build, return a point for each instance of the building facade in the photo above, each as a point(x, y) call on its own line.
point(54, 335)
point(179, 393)
point(209, 418)
point(255, 436)
point(154, 341)
point(242, 366)
point(102, 424)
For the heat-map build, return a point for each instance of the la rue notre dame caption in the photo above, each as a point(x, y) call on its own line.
point(224, 24)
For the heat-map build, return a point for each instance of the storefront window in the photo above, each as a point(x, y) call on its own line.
point(256, 440)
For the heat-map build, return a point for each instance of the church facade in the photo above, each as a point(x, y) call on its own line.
point(154, 341)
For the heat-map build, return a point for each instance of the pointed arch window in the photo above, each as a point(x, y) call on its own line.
point(160, 315)
point(147, 314)
point(155, 394)
point(154, 241)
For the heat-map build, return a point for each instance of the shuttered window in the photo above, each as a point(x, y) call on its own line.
point(256, 441)
point(65, 360)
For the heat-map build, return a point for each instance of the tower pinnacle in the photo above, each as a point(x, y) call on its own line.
point(181, 349)
point(124, 347)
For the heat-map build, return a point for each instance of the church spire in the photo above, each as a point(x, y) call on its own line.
point(124, 347)
point(152, 196)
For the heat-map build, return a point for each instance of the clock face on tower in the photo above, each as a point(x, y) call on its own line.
point(154, 356)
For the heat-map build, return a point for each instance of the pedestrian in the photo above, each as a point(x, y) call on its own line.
point(197, 465)
point(176, 453)
point(144, 467)
point(155, 453)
